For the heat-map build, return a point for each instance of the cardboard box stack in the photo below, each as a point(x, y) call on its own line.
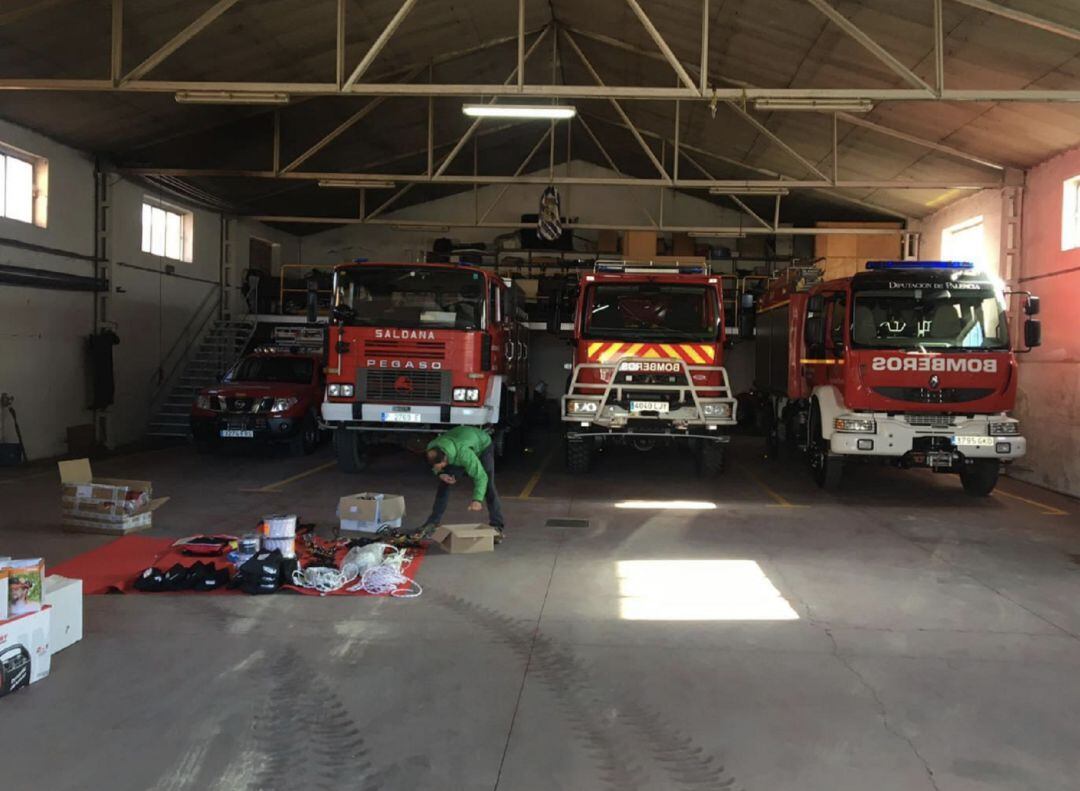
point(104, 505)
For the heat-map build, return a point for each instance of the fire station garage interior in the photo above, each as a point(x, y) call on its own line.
point(517, 395)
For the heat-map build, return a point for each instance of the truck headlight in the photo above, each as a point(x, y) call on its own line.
point(1007, 428)
point(466, 394)
point(718, 409)
point(284, 404)
point(581, 407)
point(340, 391)
point(204, 402)
point(855, 425)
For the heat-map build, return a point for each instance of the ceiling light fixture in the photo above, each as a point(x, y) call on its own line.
point(366, 184)
point(749, 190)
point(525, 111)
point(231, 97)
point(815, 105)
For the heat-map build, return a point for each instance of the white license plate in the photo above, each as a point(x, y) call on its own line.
point(402, 417)
point(237, 433)
point(648, 406)
point(973, 442)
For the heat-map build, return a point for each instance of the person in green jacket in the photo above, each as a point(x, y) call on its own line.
point(464, 450)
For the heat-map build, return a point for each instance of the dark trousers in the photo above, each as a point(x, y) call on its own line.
point(491, 499)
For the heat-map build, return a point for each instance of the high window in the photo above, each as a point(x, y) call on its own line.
point(964, 242)
point(22, 186)
point(1070, 215)
point(166, 231)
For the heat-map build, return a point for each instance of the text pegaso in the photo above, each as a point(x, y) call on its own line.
point(966, 365)
point(422, 365)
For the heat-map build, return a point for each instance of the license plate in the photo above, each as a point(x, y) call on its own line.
point(401, 417)
point(648, 406)
point(237, 433)
point(973, 442)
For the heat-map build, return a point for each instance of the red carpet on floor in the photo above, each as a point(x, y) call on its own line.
point(113, 567)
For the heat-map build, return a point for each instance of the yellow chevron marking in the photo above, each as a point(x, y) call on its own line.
point(633, 350)
point(691, 352)
point(594, 348)
point(651, 354)
point(670, 352)
point(711, 352)
point(610, 352)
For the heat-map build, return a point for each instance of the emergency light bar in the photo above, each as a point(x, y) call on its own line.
point(919, 265)
point(648, 267)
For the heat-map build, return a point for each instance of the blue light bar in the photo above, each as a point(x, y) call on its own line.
point(919, 265)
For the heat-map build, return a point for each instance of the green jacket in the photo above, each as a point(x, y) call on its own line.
point(463, 446)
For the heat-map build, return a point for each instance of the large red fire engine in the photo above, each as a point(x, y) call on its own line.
point(417, 349)
point(647, 368)
point(908, 362)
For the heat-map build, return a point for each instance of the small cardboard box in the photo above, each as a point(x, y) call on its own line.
point(104, 505)
point(368, 512)
point(64, 597)
point(24, 650)
point(465, 539)
point(639, 245)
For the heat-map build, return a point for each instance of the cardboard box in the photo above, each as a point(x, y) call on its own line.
point(465, 539)
point(3, 593)
point(24, 651)
point(639, 245)
point(368, 512)
point(104, 505)
point(607, 241)
point(64, 598)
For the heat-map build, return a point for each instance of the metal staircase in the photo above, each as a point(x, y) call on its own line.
point(219, 349)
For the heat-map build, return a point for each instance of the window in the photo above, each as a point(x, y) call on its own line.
point(166, 231)
point(964, 242)
point(22, 186)
point(1070, 215)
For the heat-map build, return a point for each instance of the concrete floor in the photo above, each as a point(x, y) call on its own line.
point(924, 640)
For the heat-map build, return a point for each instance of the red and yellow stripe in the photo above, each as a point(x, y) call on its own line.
point(689, 353)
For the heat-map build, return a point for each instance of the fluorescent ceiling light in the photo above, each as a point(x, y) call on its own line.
point(231, 97)
point(816, 105)
point(556, 111)
point(774, 191)
point(358, 184)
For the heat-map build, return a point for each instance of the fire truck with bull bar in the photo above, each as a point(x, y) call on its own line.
point(907, 362)
point(416, 349)
point(647, 364)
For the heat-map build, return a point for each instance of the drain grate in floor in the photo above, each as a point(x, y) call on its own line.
point(567, 523)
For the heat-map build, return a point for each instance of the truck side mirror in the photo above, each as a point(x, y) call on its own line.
point(1031, 306)
point(312, 300)
point(1032, 333)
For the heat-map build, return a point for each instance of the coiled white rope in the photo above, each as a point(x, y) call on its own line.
point(379, 574)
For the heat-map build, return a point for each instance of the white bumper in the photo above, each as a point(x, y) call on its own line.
point(428, 415)
point(895, 436)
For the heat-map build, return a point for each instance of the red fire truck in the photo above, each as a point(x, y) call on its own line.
point(647, 369)
point(908, 362)
point(416, 349)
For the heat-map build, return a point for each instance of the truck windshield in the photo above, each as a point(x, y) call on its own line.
point(962, 316)
point(651, 311)
point(401, 296)
point(287, 370)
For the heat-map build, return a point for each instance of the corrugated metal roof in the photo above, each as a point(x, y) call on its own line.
point(768, 43)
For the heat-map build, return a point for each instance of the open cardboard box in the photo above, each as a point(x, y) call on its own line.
point(465, 539)
point(104, 505)
point(367, 512)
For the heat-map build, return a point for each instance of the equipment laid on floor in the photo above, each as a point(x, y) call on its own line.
point(64, 598)
point(104, 505)
point(465, 539)
point(25, 658)
point(279, 533)
point(371, 512)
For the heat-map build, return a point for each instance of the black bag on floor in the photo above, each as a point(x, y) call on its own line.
point(151, 580)
point(262, 573)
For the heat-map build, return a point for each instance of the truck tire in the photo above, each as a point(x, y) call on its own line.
point(578, 456)
point(828, 470)
point(711, 459)
point(350, 449)
point(306, 439)
point(980, 477)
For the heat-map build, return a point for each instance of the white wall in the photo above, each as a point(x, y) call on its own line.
point(43, 333)
point(985, 204)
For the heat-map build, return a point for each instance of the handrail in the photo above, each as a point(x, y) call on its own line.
point(282, 291)
point(159, 379)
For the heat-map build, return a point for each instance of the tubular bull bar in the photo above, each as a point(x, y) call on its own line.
point(608, 411)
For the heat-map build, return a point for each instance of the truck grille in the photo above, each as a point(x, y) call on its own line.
point(243, 405)
point(946, 395)
point(405, 386)
point(414, 350)
point(930, 421)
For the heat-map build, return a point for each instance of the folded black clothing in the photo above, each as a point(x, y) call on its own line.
point(150, 580)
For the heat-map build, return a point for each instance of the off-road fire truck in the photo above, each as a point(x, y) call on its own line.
point(647, 366)
point(416, 349)
point(908, 362)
